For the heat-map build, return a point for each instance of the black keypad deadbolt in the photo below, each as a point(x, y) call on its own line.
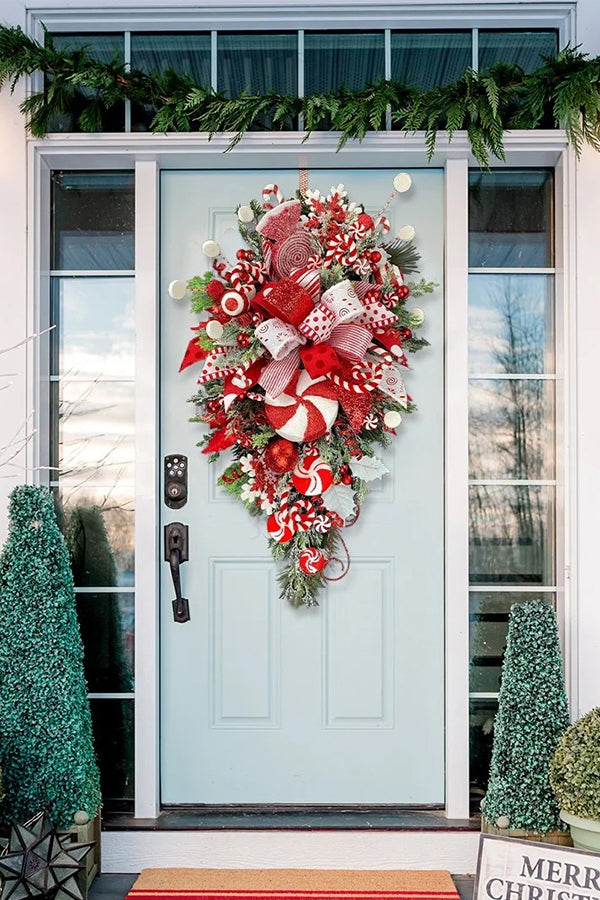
point(176, 481)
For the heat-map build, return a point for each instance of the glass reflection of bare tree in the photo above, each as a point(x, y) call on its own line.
point(508, 431)
point(84, 465)
point(96, 478)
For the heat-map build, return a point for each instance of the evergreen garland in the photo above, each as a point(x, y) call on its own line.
point(46, 750)
point(563, 92)
point(532, 716)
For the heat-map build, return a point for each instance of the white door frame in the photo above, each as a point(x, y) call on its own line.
point(147, 154)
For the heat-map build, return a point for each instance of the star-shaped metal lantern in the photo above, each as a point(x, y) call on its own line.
point(40, 862)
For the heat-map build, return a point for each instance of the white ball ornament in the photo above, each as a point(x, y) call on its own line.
point(392, 419)
point(211, 249)
point(177, 290)
point(214, 330)
point(502, 822)
point(402, 182)
point(245, 214)
point(416, 317)
point(81, 817)
point(407, 233)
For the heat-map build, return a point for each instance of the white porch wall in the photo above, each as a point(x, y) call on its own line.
point(13, 277)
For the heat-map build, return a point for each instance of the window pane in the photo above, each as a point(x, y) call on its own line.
point(523, 48)
point(511, 324)
point(349, 59)
point(113, 722)
point(511, 534)
point(99, 527)
point(96, 432)
point(257, 63)
point(488, 627)
point(511, 429)
point(94, 334)
point(107, 629)
point(510, 218)
point(481, 735)
point(427, 59)
point(182, 53)
point(103, 48)
point(92, 220)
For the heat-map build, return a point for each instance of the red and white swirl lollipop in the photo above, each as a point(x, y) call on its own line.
point(280, 527)
point(312, 476)
point(305, 410)
point(293, 253)
point(311, 561)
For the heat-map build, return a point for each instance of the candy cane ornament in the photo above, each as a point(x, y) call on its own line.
point(268, 191)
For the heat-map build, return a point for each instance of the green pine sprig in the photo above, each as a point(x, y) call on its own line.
point(563, 92)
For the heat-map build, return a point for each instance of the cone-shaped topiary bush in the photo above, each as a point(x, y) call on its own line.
point(532, 716)
point(46, 751)
point(575, 768)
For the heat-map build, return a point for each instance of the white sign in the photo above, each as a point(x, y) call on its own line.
point(508, 869)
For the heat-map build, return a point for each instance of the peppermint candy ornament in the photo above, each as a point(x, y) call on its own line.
point(312, 476)
point(305, 411)
point(232, 303)
point(280, 528)
point(292, 254)
point(311, 561)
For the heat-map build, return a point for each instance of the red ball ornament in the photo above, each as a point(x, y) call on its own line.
point(215, 289)
point(311, 561)
point(281, 456)
point(243, 339)
point(376, 256)
point(403, 292)
point(405, 333)
point(347, 479)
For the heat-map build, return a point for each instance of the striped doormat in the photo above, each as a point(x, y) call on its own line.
point(296, 884)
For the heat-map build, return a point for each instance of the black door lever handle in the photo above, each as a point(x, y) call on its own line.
point(176, 552)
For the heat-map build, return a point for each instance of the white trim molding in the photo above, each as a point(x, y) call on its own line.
point(287, 15)
point(456, 292)
point(147, 487)
point(132, 851)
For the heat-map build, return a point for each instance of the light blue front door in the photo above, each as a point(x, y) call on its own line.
point(344, 703)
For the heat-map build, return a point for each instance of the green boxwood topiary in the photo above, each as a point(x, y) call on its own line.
point(532, 716)
point(46, 749)
point(575, 768)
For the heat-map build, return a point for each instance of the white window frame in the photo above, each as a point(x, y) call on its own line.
point(148, 154)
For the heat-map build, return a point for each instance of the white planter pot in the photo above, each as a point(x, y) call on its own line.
point(585, 832)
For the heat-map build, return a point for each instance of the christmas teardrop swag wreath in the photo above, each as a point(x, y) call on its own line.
point(302, 352)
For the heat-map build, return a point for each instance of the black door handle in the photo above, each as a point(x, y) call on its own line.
point(177, 552)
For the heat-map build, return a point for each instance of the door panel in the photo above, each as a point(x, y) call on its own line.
point(343, 703)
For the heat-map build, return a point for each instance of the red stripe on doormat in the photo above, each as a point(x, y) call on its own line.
point(232, 892)
point(187, 892)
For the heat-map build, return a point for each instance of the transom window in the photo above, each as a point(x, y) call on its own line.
point(305, 62)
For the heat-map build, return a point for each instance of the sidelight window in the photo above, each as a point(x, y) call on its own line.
point(512, 412)
point(91, 454)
